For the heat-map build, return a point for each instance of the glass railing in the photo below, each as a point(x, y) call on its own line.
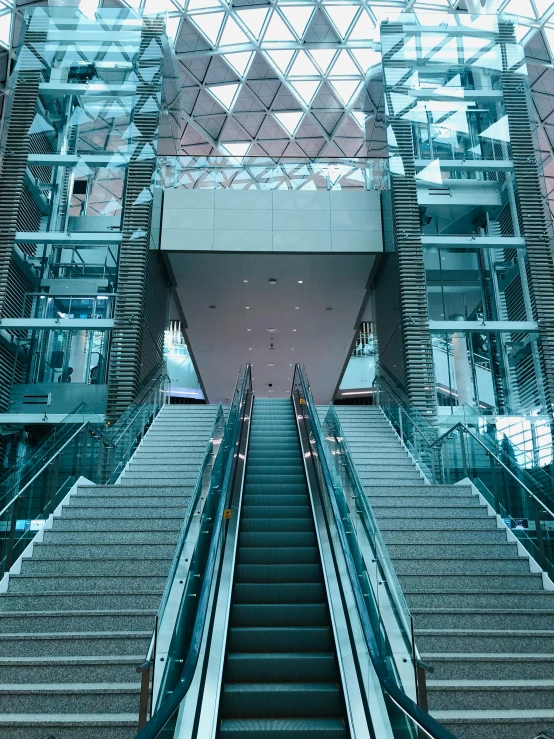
point(189, 585)
point(379, 615)
point(523, 498)
point(78, 447)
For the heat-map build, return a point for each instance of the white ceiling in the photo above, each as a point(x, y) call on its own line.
point(219, 338)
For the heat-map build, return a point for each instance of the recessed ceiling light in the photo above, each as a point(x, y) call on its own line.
point(249, 329)
point(292, 349)
point(296, 307)
point(300, 282)
point(271, 330)
point(294, 329)
point(272, 281)
point(290, 365)
point(247, 307)
point(245, 280)
point(249, 348)
point(271, 364)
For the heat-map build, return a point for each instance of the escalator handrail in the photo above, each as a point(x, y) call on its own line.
point(156, 723)
point(420, 717)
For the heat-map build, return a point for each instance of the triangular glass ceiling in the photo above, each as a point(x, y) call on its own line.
point(341, 16)
point(303, 66)
point(306, 90)
point(224, 94)
point(289, 121)
point(253, 19)
point(209, 25)
point(239, 62)
point(298, 17)
point(281, 59)
point(277, 30)
point(324, 57)
point(232, 34)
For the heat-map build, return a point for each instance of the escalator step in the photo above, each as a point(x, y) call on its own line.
point(277, 555)
point(276, 524)
point(286, 700)
point(285, 728)
point(277, 573)
point(254, 499)
point(269, 511)
point(278, 539)
point(286, 592)
point(280, 639)
point(278, 667)
point(275, 488)
point(282, 614)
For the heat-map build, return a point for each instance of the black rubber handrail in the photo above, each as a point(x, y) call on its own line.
point(160, 718)
point(419, 717)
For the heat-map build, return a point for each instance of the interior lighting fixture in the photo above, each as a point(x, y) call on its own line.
point(245, 280)
point(249, 329)
point(271, 330)
point(294, 329)
point(247, 307)
point(272, 281)
point(300, 282)
point(296, 307)
point(271, 364)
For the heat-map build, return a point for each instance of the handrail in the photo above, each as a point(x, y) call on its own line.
point(44, 466)
point(157, 722)
point(399, 402)
point(420, 717)
point(152, 387)
point(488, 451)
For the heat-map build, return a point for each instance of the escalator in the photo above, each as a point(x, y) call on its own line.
point(279, 632)
point(281, 675)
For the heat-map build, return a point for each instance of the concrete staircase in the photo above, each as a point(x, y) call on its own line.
point(78, 620)
point(482, 619)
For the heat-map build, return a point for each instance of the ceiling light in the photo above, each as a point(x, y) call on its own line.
point(300, 282)
point(290, 365)
point(292, 349)
point(245, 280)
point(271, 330)
point(249, 348)
point(247, 307)
point(271, 364)
point(296, 307)
point(249, 329)
point(294, 329)
point(272, 281)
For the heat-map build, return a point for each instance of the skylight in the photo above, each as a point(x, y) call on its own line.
point(224, 94)
point(289, 121)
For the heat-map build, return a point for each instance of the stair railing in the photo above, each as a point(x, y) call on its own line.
point(78, 447)
point(194, 608)
point(406, 717)
point(523, 502)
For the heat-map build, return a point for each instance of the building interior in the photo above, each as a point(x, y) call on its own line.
point(276, 369)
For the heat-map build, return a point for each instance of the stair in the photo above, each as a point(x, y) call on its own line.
point(281, 677)
point(482, 620)
point(78, 620)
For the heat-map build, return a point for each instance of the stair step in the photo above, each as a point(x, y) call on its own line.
point(293, 592)
point(61, 551)
point(96, 567)
point(249, 525)
point(277, 539)
point(179, 502)
point(69, 726)
point(84, 537)
point(516, 724)
point(120, 669)
point(445, 566)
point(86, 601)
point(278, 573)
point(489, 583)
point(427, 523)
point(501, 551)
point(491, 666)
point(145, 523)
point(483, 640)
point(76, 583)
point(472, 598)
point(482, 619)
point(75, 644)
point(280, 512)
point(68, 698)
point(276, 500)
point(489, 695)
point(144, 491)
point(467, 535)
point(39, 622)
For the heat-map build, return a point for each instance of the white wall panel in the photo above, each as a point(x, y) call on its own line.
point(266, 221)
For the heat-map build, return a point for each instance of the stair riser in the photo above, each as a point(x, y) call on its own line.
point(485, 536)
point(75, 602)
point(489, 700)
point(500, 643)
point(65, 623)
point(480, 551)
point(485, 620)
point(465, 514)
point(70, 703)
point(63, 731)
point(143, 491)
point(510, 729)
point(94, 501)
point(452, 526)
point(488, 583)
point(116, 524)
point(77, 584)
point(102, 515)
point(476, 600)
point(69, 646)
point(92, 551)
point(459, 566)
point(86, 568)
point(510, 669)
point(421, 501)
point(53, 673)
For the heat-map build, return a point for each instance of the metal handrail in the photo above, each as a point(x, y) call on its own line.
point(44, 466)
point(156, 724)
point(137, 405)
point(419, 717)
